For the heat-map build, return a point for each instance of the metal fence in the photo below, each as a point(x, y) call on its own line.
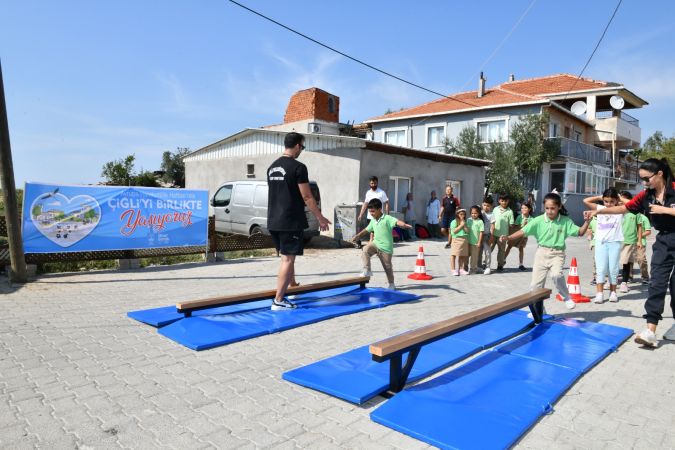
point(216, 243)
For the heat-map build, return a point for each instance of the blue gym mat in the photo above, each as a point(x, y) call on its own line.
point(210, 330)
point(355, 377)
point(159, 317)
point(491, 401)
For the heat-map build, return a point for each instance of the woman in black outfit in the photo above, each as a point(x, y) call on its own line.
point(657, 202)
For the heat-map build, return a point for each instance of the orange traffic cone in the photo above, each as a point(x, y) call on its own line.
point(573, 285)
point(420, 267)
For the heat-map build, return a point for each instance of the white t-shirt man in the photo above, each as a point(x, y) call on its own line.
point(378, 194)
point(609, 227)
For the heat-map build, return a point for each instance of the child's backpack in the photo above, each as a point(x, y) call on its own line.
point(422, 232)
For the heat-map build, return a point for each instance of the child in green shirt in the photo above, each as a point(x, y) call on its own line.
point(476, 229)
point(644, 230)
point(503, 219)
point(630, 239)
point(459, 248)
point(382, 243)
point(551, 229)
point(521, 221)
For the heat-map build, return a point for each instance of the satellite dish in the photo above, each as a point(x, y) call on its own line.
point(616, 101)
point(578, 108)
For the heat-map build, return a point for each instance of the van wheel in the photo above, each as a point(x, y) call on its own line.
point(255, 229)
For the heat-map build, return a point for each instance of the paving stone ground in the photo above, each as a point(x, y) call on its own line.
point(75, 372)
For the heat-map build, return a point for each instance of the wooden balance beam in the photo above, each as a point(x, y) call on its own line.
point(213, 302)
point(393, 348)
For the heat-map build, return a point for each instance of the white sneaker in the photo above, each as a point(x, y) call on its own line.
point(455, 272)
point(623, 288)
point(647, 338)
point(570, 303)
point(391, 287)
point(366, 273)
point(283, 304)
point(613, 298)
point(599, 298)
point(486, 271)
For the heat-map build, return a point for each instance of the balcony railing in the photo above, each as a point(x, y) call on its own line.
point(584, 152)
point(621, 114)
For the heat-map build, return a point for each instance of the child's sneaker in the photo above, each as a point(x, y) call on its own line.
point(391, 287)
point(613, 298)
point(366, 273)
point(486, 271)
point(569, 303)
point(647, 338)
point(624, 287)
point(463, 272)
point(599, 298)
point(522, 268)
point(283, 304)
point(455, 272)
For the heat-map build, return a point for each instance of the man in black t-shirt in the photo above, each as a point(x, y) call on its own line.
point(449, 206)
point(289, 192)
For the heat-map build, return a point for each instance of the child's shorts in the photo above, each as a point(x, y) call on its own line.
point(628, 253)
point(459, 247)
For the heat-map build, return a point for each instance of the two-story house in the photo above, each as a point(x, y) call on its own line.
point(587, 116)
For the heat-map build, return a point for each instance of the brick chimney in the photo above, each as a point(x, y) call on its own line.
point(313, 103)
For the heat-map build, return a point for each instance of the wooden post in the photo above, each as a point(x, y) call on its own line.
point(16, 255)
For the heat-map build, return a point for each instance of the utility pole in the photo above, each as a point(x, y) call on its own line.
point(18, 261)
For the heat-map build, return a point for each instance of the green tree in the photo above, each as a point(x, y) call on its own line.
point(466, 144)
point(658, 146)
point(19, 201)
point(174, 167)
point(502, 176)
point(37, 210)
point(531, 149)
point(119, 172)
point(145, 178)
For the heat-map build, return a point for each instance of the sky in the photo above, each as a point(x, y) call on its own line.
point(91, 82)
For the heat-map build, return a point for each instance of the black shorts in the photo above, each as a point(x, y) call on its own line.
point(445, 222)
point(289, 242)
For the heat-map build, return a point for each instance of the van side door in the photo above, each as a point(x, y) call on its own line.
point(242, 207)
point(222, 208)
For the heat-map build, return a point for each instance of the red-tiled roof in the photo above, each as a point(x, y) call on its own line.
point(509, 93)
point(554, 84)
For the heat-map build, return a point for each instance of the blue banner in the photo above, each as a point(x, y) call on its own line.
point(88, 218)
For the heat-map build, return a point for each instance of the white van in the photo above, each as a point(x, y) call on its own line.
point(241, 207)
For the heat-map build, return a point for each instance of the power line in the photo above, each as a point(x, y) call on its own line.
point(370, 66)
point(588, 61)
point(350, 57)
point(501, 44)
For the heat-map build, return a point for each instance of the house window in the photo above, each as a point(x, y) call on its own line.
point(397, 192)
point(250, 170)
point(331, 105)
point(395, 137)
point(493, 131)
point(435, 136)
point(553, 129)
point(557, 179)
point(577, 135)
